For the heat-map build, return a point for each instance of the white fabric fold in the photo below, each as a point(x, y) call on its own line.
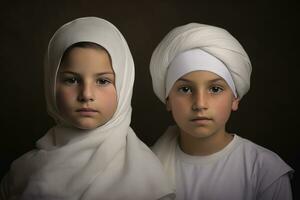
point(165, 150)
point(213, 40)
point(108, 162)
point(194, 60)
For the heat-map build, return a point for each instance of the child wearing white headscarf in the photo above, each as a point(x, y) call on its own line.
point(201, 72)
point(105, 162)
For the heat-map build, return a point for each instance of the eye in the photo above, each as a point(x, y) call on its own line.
point(216, 89)
point(71, 80)
point(103, 81)
point(185, 89)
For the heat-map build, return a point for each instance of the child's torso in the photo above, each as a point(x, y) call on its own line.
point(234, 173)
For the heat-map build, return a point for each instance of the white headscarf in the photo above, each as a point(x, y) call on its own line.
point(108, 162)
point(213, 40)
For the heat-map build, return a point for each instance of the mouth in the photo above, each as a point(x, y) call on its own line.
point(87, 111)
point(201, 120)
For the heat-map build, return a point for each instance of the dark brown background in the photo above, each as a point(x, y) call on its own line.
point(268, 114)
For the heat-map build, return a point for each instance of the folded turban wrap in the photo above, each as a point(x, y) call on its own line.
point(213, 40)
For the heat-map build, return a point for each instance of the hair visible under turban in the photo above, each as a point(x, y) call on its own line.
point(215, 41)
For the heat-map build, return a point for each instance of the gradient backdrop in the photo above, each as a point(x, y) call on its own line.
point(268, 114)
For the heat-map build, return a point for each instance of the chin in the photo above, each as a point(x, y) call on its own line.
point(87, 125)
point(200, 133)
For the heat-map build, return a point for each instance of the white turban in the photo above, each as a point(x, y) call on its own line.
point(213, 40)
point(108, 162)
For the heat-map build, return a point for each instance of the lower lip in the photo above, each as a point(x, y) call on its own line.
point(87, 113)
point(201, 122)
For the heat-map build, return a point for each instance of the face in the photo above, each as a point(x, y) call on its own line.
point(85, 91)
point(201, 103)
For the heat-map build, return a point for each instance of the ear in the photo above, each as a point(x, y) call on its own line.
point(168, 106)
point(235, 104)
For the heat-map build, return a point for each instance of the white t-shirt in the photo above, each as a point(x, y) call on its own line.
point(240, 171)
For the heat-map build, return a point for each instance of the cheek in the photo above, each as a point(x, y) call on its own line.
point(178, 108)
point(64, 98)
point(223, 110)
point(108, 100)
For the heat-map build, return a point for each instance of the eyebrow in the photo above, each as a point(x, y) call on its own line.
point(77, 74)
point(183, 79)
point(217, 80)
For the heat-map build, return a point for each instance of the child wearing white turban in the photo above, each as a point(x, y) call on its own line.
point(92, 153)
point(201, 72)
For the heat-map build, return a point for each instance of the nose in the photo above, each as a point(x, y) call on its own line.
point(200, 101)
point(86, 93)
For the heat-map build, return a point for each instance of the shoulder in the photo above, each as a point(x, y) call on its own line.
point(15, 179)
point(27, 157)
point(4, 188)
point(261, 156)
point(266, 166)
point(167, 141)
point(22, 167)
point(148, 166)
point(142, 154)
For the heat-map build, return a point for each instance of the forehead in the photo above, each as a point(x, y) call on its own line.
point(201, 76)
point(85, 59)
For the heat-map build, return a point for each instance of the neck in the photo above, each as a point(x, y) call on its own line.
point(202, 146)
